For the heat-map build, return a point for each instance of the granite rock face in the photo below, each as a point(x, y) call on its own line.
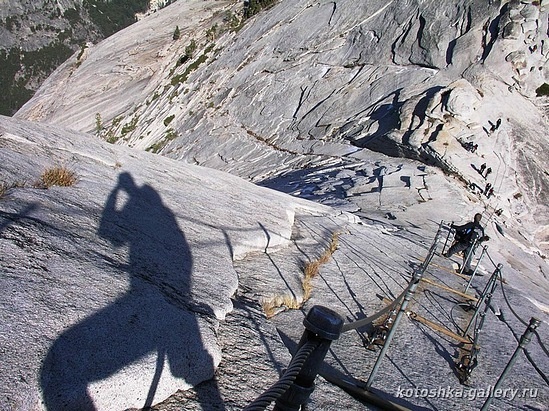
point(114, 288)
point(306, 83)
point(128, 288)
point(322, 100)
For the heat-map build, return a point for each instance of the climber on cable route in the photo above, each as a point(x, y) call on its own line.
point(466, 239)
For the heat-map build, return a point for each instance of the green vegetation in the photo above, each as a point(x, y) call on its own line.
point(112, 16)
point(72, 16)
point(171, 134)
point(252, 7)
point(211, 33)
point(168, 120)
point(17, 69)
point(165, 3)
point(176, 33)
point(189, 53)
point(232, 21)
point(98, 123)
point(543, 90)
point(181, 78)
point(128, 128)
point(21, 70)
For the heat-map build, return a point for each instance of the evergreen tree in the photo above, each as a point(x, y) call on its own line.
point(176, 33)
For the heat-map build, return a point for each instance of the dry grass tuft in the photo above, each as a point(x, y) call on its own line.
point(57, 176)
point(277, 303)
point(310, 270)
point(5, 187)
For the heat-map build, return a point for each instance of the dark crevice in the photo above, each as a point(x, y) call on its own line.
point(357, 74)
point(401, 40)
point(492, 30)
point(450, 51)
point(419, 111)
point(463, 31)
point(318, 105)
point(334, 7)
point(301, 99)
point(421, 30)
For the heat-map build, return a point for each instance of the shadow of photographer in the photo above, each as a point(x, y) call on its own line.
point(152, 316)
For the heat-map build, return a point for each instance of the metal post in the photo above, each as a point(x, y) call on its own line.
point(524, 341)
point(487, 293)
point(406, 300)
point(476, 268)
point(469, 257)
point(324, 326)
point(447, 237)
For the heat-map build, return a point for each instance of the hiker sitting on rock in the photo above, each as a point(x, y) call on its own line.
point(467, 237)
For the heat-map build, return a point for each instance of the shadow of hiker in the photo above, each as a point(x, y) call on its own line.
point(379, 173)
point(151, 318)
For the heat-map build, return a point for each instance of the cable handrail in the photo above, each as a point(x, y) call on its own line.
point(279, 391)
point(287, 379)
point(520, 319)
point(420, 270)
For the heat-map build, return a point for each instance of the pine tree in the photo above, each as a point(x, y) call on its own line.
point(176, 33)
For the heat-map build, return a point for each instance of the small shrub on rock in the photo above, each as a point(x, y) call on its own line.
point(57, 176)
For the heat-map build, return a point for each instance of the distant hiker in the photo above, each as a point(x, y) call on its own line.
point(466, 238)
point(499, 212)
point(490, 192)
point(488, 171)
point(482, 168)
point(487, 188)
point(474, 148)
point(494, 127)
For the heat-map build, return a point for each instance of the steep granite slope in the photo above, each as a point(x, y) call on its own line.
point(128, 272)
point(313, 82)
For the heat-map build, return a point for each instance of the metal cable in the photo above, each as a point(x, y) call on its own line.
point(369, 320)
point(491, 260)
point(544, 349)
point(420, 270)
point(282, 385)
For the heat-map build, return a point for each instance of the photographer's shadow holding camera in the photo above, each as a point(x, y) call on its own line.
point(151, 317)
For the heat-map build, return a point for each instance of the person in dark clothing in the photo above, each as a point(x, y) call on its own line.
point(482, 168)
point(467, 237)
point(488, 171)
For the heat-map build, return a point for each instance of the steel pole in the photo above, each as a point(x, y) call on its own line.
point(487, 293)
point(524, 341)
point(447, 237)
point(401, 312)
point(322, 325)
point(476, 268)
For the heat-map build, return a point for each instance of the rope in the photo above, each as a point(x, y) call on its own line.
point(416, 277)
point(280, 387)
point(491, 260)
point(541, 373)
point(369, 320)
